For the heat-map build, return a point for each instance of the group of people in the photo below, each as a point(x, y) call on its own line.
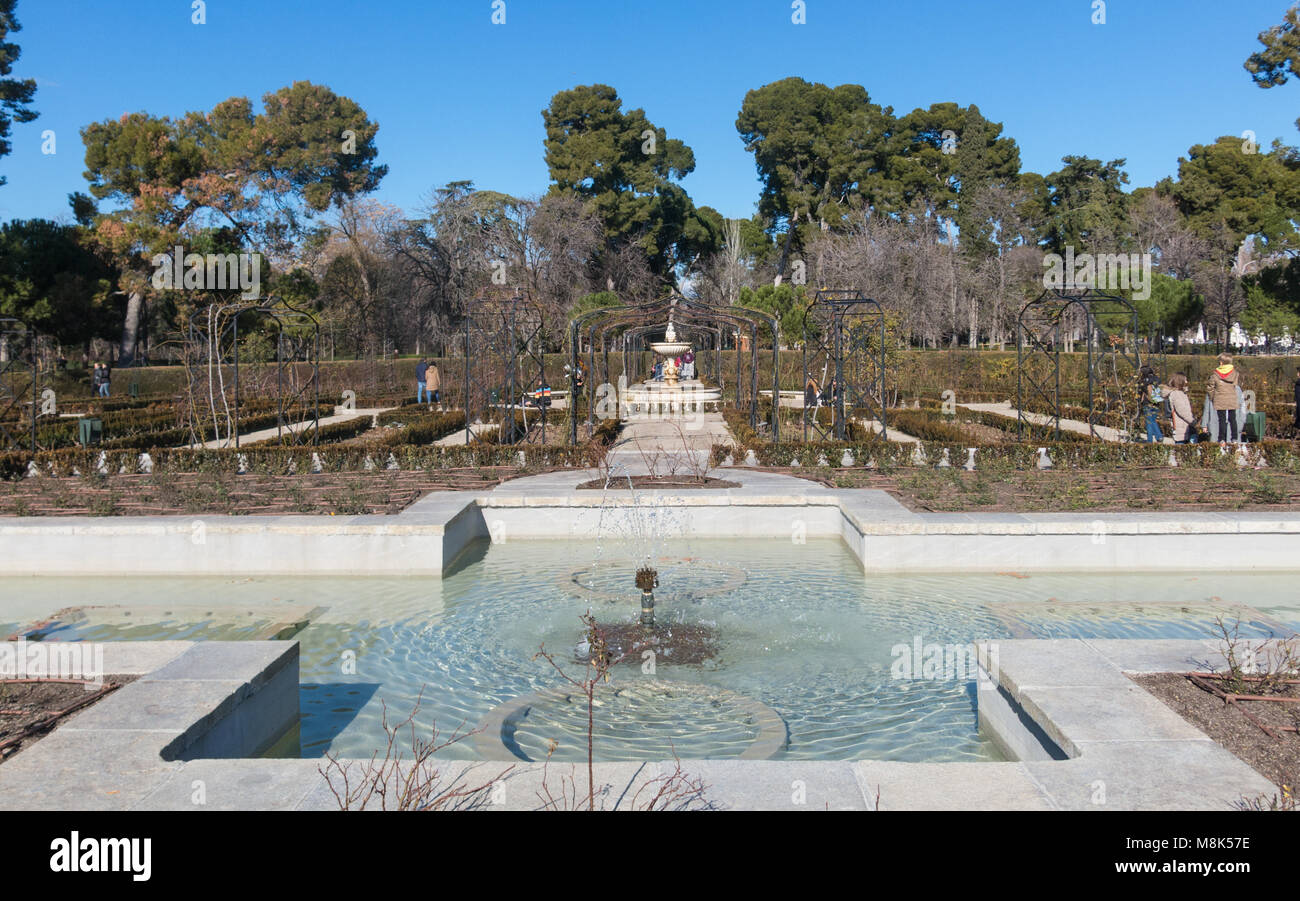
point(100, 379)
point(1223, 416)
point(685, 364)
point(427, 382)
point(814, 395)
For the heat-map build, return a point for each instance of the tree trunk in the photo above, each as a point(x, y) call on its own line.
point(131, 329)
point(785, 255)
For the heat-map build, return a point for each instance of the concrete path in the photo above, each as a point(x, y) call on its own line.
point(1105, 433)
point(662, 445)
point(458, 438)
point(893, 433)
point(273, 432)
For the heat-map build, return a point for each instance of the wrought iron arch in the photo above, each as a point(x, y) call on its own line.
point(685, 312)
point(209, 340)
point(845, 331)
point(505, 372)
point(1041, 334)
point(26, 363)
point(692, 322)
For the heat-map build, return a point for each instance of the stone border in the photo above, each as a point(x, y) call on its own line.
point(490, 741)
point(1124, 749)
point(430, 536)
point(195, 706)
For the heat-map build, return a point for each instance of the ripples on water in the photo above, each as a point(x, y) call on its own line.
point(803, 631)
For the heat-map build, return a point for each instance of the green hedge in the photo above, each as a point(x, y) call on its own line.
point(424, 429)
point(333, 458)
point(282, 460)
point(886, 456)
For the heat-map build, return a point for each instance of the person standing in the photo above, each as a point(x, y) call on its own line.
point(1152, 400)
point(1297, 398)
point(421, 370)
point(811, 393)
point(1224, 382)
point(433, 384)
point(1180, 408)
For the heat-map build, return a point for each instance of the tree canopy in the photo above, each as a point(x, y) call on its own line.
point(16, 95)
point(628, 168)
point(264, 175)
point(820, 152)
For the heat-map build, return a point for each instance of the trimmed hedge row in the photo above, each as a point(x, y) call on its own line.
point(283, 460)
point(886, 456)
point(330, 458)
point(424, 429)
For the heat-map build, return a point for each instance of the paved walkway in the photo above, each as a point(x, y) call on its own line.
point(678, 443)
point(458, 437)
point(1105, 433)
point(893, 433)
point(273, 432)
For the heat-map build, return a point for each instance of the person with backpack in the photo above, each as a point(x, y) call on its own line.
point(1223, 389)
point(1152, 400)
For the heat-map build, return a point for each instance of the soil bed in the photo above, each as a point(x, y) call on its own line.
point(343, 494)
point(686, 644)
point(620, 484)
point(1275, 757)
point(1150, 489)
point(29, 709)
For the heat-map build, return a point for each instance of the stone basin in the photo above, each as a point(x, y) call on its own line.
point(670, 348)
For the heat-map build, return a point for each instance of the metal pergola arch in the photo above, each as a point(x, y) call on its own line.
point(662, 309)
point(285, 315)
point(1039, 324)
point(509, 331)
point(691, 313)
point(671, 306)
point(20, 353)
point(838, 325)
point(634, 347)
point(602, 329)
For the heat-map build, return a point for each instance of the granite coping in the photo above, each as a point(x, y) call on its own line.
point(1127, 750)
point(870, 511)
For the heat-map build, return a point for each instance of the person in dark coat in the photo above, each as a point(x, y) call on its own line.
point(1297, 398)
point(421, 368)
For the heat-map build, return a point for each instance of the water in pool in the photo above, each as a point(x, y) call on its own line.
point(800, 628)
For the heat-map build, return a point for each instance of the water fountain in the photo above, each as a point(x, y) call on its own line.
point(647, 579)
point(671, 394)
point(643, 525)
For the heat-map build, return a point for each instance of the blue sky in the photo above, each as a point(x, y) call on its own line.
point(457, 97)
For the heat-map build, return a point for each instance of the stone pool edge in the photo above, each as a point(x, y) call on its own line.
point(433, 534)
point(194, 699)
